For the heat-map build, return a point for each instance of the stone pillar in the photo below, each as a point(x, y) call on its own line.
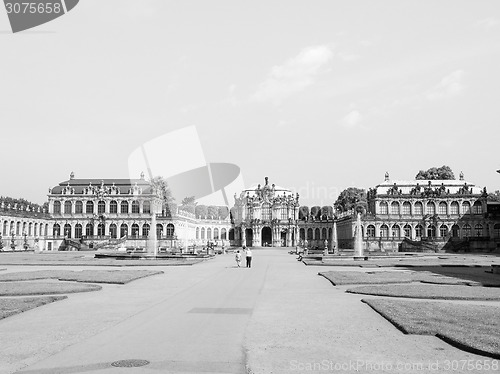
point(334, 239)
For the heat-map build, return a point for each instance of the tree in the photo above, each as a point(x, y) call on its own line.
point(327, 211)
point(351, 198)
point(201, 211)
point(316, 212)
point(303, 212)
point(162, 191)
point(188, 204)
point(223, 212)
point(444, 172)
point(212, 211)
point(494, 196)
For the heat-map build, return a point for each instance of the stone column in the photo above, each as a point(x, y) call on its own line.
point(334, 239)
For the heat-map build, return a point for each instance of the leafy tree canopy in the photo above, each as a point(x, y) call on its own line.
point(161, 189)
point(188, 204)
point(444, 172)
point(351, 198)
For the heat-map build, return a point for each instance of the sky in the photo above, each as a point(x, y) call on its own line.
point(317, 95)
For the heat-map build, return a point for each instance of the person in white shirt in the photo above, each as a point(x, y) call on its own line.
point(248, 254)
point(238, 258)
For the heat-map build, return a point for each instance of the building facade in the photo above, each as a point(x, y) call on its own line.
point(404, 215)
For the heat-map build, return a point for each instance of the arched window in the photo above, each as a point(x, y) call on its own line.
point(302, 234)
point(30, 229)
point(407, 231)
point(316, 233)
point(223, 234)
point(496, 230)
point(418, 231)
point(443, 231)
point(5, 227)
point(101, 207)
point(396, 231)
point(145, 230)
point(146, 207)
point(202, 233)
point(135, 207)
point(78, 231)
point(216, 234)
point(384, 208)
point(406, 208)
point(18, 228)
point(209, 233)
point(159, 230)
point(124, 207)
point(35, 232)
point(56, 230)
point(442, 208)
point(78, 207)
point(309, 233)
point(67, 230)
point(384, 231)
point(170, 229)
point(231, 234)
point(477, 208)
point(266, 212)
point(113, 207)
point(370, 231)
point(101, 229)
point(431, 208)
point(123, 230)
point(67, 207)
point(466, 229)
point(418, 208)
point(89, 207)
point(455, 230)
point(395, 208)
point(330, 233)
point(135, 230)
point(465, 207)
point(478, 230)
point(454, 208)
point(284, 212)
point(57, 207)
point(113, 231)
point(323, 233)
point(89, 229)
point(197, 233)
point(431, 231)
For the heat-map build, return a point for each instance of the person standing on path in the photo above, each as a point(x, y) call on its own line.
point(238, 258)
point(248, 254)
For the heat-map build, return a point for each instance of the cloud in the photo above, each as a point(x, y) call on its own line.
point(348, 57)
point(352, 119)
point(488, 23)
point(450, 86)
point(293, 76)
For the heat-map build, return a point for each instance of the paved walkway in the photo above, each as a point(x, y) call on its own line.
point(277, 317)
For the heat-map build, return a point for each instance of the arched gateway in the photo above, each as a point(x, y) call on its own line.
point(267, 216)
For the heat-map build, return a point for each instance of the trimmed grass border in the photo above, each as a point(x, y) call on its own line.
point(87, 276)
point(430, 291)
point(16, 305)
point(27, 288)
point(338, 278)
point(472, 328)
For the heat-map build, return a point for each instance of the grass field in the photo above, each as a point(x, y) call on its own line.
point(11, 306)
point(474, 328)
point(429, 291)
point(88, 276)
point(338, 278)
point(26, 288)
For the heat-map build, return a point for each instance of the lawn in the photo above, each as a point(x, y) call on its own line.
point(44, 288)
point(474, 328)
point(430, 291)
point(88, 276)
point(11, 306)
point(338, 278)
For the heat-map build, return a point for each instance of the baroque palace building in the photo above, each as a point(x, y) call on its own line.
point(405, 215)
point(92, 213)
point(398, 215)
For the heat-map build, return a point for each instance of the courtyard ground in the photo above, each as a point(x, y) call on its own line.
point(277, 317)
